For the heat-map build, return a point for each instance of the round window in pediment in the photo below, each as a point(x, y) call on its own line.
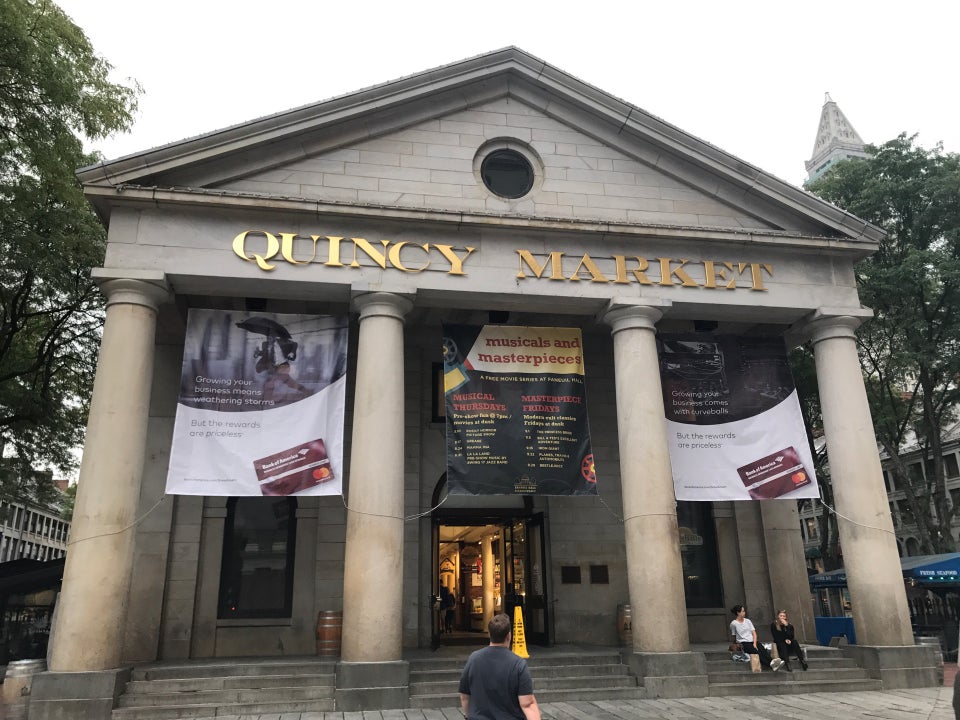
point(507, 173)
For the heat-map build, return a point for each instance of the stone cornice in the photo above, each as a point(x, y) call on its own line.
point(136, 196)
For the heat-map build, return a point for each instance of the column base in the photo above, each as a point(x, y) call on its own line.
point(372, 686)
point(77, 695)
point(897, 667)
point(670, 675)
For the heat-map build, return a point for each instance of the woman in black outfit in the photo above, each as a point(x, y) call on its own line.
point(783, 636)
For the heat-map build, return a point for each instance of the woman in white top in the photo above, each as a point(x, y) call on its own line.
point(745, 633)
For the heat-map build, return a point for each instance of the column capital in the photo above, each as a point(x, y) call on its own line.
point(382, 304)
point(626, 317)
point(132, 287)
point(827, 323)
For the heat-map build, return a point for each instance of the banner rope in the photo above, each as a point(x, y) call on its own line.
point(406, 518)
point(851, 520)
point(123, 529)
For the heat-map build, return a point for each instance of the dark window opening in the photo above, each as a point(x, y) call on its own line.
point(950, 465)
point(599, 575)
point(570, 574)
point(256, 575)
point(507, 173)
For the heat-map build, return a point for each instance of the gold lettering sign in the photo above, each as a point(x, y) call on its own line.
point(267, 250)
point(668, 272)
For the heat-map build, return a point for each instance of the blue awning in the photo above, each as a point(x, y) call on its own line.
point(832, 579)
point(925, 570)
point(933, 569)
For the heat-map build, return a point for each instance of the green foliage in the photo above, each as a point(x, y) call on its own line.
point(54, 92)
point(67, 502)
point(909, 350)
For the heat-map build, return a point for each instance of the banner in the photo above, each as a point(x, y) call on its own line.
point(261, 405)
point(734, 425)
point(516, 411)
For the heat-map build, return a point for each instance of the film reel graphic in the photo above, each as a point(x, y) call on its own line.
point(450, 351)
point(587, 469)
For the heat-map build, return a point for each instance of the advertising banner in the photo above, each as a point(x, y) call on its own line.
point(516, 411)
point(734, 425)
point(261, 405)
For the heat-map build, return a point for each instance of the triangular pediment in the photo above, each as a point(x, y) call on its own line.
point(436, 164)
point(415, 143)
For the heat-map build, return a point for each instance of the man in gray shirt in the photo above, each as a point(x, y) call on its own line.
point(496, 683)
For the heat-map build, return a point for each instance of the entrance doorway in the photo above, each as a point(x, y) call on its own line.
point(487, 566)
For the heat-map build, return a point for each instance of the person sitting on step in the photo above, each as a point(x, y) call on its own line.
point(783, 636)
point(745, 633)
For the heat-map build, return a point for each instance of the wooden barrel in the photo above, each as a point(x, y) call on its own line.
point(16, 686)
point(329, 629)
point(624, 625)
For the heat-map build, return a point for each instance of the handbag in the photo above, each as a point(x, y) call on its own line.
point(734, 647)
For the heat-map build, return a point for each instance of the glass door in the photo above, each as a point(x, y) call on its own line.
point(537, 614)
point(434, 599)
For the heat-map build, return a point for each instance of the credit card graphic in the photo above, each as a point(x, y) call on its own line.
point(774, 475)
point(295, 470)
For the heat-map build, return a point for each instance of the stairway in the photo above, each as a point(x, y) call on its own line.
point(228, 687)
point(557, 677)
point(829, 672)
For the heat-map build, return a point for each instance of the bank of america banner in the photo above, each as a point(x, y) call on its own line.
point(516, 411)
point(733, 419)
point(261, 405)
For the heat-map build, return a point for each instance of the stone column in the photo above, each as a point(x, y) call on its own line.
point(654, 568)
point(728, 555)
point(866, 530)
point(90, 615)
point(372, 642)
point(789, 585)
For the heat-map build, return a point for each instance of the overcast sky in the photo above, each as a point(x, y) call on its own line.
point(748, 77)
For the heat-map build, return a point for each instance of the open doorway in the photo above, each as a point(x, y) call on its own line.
point(484, 568)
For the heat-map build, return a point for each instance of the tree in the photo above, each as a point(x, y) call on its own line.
point(910, 349)
point(54, 92)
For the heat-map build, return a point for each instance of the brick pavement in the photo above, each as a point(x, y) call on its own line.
point(921, 704)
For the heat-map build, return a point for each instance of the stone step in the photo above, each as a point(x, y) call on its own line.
point(797, 675)
point(227, 697)
point(452, 700)
point(233, 669)
point(830, 663)
point(213, 709)
point(782, 687)
point(136, 687)
point(543, 671)
point(535, 661)
point(539, 683)
point(813, 652)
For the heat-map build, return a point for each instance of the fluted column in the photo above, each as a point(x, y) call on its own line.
point(373, 562)
point(654, 566)
point(92, 607)
point(866, 529)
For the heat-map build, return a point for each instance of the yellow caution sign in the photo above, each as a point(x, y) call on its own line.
point(519, 643)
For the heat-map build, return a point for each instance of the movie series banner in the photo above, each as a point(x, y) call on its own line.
point(261, 405)
point(734, 424)
point(516, 411)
